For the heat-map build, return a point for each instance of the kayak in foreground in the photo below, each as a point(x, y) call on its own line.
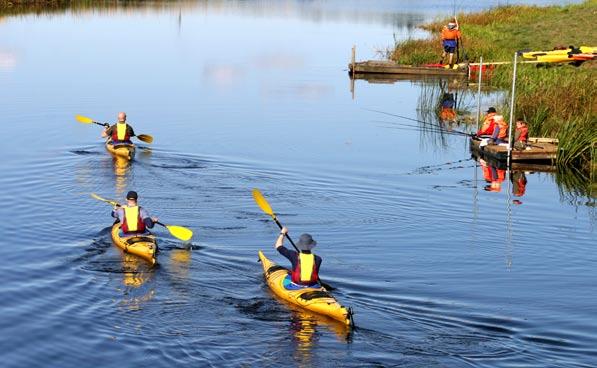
point(122, 150)
point(314, 299)
point(144, 246)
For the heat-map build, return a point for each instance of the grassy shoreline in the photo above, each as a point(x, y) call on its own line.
point(557, 101)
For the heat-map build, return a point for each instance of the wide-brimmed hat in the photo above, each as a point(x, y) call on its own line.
point(306, 242)
point(491, 109)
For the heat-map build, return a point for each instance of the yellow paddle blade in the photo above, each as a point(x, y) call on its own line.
point(145, 138)
point(262, 202)
point(113, 203)
point(180, 232)
point(83, 119)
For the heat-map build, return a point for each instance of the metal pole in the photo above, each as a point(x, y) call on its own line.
point(510, 139)
point(480, 71)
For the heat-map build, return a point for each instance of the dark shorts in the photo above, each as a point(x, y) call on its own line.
point(449, 46)
point(449, 49)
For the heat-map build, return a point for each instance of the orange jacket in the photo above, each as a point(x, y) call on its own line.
point(503, 125)
point(450, 34)
point(488, 125)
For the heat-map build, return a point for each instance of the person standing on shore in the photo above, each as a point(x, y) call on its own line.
point(450, 37)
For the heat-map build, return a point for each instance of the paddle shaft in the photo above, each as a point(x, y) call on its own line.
point(287, 236)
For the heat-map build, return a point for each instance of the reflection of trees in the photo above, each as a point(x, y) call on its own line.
point(313, 11)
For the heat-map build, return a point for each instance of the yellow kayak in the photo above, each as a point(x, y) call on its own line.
point(314, 299)
point(558, 56)
point(123, 151)
point(144, 246)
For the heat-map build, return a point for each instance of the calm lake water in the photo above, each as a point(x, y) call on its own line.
point(242, 95)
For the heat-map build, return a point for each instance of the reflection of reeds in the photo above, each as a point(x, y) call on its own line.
point(433, 129)
point(573, 184)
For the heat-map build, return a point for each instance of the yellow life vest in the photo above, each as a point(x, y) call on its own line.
point(307, 262)
point(131, 218)
point(121, 131)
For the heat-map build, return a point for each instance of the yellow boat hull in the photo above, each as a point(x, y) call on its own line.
point(121, 151)
point(557, 56)
point(316, 300)
point(142, 246)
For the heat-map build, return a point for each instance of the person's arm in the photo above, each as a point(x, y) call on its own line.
point(117, 213)
point(131, 131)
point(107, 132)
point(147, 220)
point(280, 240)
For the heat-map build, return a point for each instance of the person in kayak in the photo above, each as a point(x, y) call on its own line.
point(488, 123)
point(134, 219)
point(450, 36)
point(121, 132)
point(521, 134)
point(305, 265)
point(500, 130)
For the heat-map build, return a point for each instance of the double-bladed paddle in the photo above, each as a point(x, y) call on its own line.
point(179, 232)
point(85, 120)
point(265, 207)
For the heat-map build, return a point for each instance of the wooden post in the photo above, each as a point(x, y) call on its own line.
point(352, 62)
point(510, 138)
point(354, 57)
point(479, 91)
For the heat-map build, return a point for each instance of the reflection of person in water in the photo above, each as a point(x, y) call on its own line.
point(519, 184)
point(447, 112)
point(493, 176)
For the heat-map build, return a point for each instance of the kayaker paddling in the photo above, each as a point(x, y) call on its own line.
point(134, 219)
point(305, 265)
point(121, 132)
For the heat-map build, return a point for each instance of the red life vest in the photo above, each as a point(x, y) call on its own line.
point(120, 133)
point(524, 134)
point(132, 223)
point(488, 125)
point(305, 272)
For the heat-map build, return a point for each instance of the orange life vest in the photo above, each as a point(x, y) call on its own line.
point(503, 125)
point(450, 34)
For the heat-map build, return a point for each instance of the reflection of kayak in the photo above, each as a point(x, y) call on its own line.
point(123, 150)
point(315, 299)
point(144, 246)
point(558, 56)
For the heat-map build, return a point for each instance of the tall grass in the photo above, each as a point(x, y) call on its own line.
point(556, 100)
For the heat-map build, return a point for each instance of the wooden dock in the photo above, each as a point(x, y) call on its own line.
point(390, 67)
point(538, 150)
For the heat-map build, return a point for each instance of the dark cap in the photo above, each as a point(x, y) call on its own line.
point(491, 109)
point(131, 195)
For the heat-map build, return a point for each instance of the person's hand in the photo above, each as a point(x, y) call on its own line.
point(116, 207)
point(154, 219)
point(284, 230)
